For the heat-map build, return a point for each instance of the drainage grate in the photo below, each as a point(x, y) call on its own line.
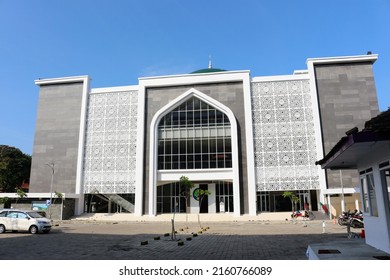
point(329, 251)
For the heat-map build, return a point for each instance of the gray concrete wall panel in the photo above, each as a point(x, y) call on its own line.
point(56, 137)
point(347, 98)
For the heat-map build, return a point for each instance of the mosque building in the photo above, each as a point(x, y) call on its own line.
point(246, 140)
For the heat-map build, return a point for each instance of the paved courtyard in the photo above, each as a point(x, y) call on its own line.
point(240, 240)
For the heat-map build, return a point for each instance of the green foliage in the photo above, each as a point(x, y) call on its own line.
point(202, 194)
point(14, 168)
point(185, 187)
point(58, 194)
point(293, 198)
point(20, 193)
point(3, 200)
point(287, 194)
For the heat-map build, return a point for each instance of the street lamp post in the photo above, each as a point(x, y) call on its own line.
point(51, 165)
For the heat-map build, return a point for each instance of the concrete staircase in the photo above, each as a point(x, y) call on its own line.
point(319, 215)
point(182, 217)
point(125, 204)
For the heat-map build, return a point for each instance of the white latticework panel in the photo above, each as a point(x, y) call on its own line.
point(284, 137)
point(110, 148)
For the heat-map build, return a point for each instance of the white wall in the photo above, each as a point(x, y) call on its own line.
point(377, 228)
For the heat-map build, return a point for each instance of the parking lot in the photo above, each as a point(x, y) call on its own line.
point(241, 240)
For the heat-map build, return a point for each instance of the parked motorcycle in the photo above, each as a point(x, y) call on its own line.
point(344, 218)
point(355, 219)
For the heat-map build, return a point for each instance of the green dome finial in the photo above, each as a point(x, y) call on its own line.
point(209, 69)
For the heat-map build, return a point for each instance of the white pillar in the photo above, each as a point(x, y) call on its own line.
point(330, 207)
point(357, 204)
point(79, 205)
point(342, 192)
point(211, 198)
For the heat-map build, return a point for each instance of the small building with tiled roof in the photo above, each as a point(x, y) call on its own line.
point(368, 151)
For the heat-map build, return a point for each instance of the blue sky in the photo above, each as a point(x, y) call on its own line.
point(116, 42)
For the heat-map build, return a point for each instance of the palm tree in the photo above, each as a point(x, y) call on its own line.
point(293, 198)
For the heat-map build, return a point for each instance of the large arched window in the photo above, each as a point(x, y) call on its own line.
point(194, 135)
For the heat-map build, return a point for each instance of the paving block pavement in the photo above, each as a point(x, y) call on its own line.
point(233, 240)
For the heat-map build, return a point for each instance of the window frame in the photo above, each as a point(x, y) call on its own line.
point(383, 167)
point(368, 193)
point(208, 141)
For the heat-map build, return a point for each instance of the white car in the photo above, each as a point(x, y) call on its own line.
point(23, 220)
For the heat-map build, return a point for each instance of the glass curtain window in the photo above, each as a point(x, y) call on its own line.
point(169, 199)
point(194, 135)
point(263, 201)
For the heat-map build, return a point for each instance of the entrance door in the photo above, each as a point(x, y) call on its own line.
point(204, 207)
point(224, 197)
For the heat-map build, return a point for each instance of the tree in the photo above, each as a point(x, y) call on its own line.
point(293, 198)
point(201, 195)
point(20, 194)
point(6, 202)
point(186, 187)
point(14, 168)
point(57, 195)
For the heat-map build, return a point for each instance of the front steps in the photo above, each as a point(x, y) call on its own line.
point(182, 217)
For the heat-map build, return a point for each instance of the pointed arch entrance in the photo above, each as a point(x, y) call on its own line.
point(196, 136)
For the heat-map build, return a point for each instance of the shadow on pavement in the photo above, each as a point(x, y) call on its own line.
point(65, 245)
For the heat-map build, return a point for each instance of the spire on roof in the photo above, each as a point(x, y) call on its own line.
point(209, 69)
point(210, 64)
